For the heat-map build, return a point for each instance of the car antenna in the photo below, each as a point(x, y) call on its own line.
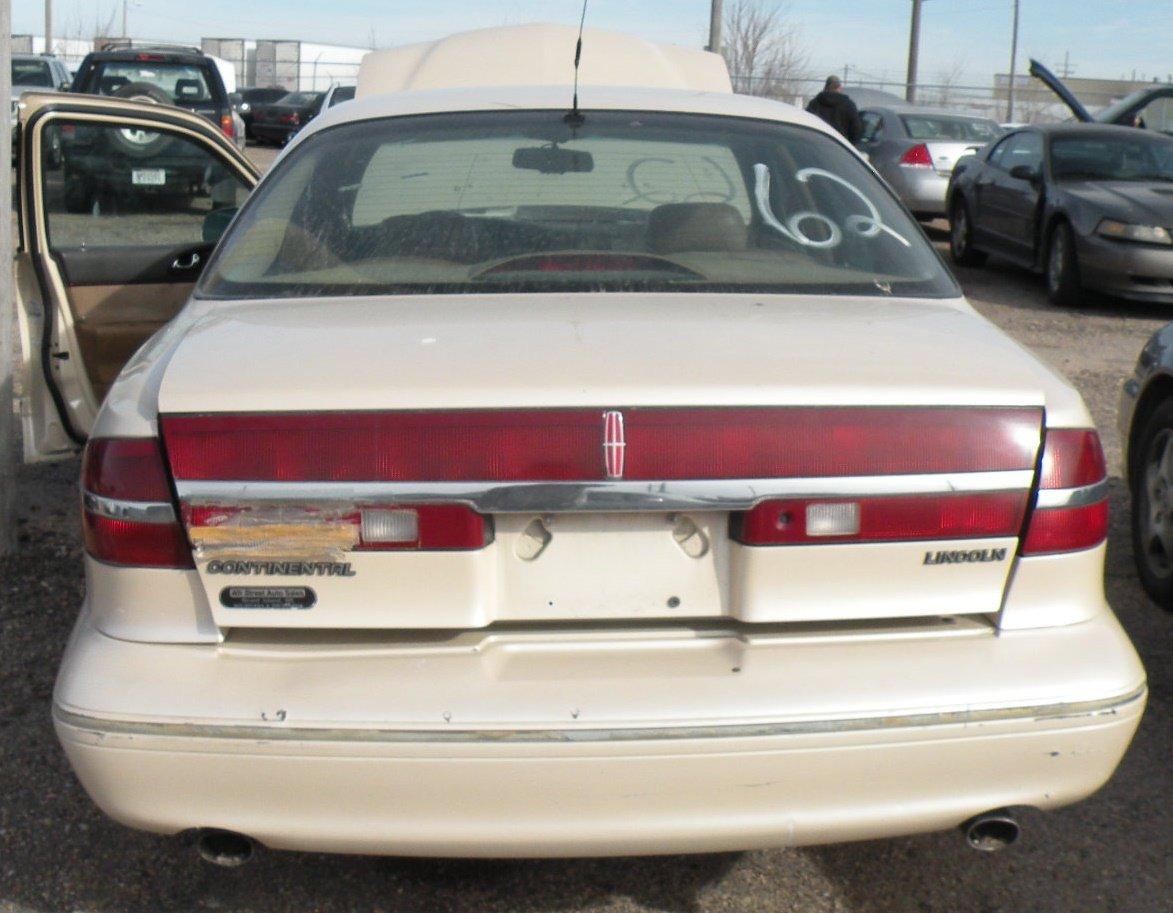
point(574, 116)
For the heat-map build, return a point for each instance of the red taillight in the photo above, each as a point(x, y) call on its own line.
point(567, 444)
point(391, 527)
point(128, 515)
point(883, 519)
point(292, 119)
point(1072, 460)
point(226, 126)
point(917, 157)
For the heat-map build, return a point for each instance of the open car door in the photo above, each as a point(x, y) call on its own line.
point(120, 204)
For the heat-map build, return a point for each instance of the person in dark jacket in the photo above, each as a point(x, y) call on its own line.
point(837, 109)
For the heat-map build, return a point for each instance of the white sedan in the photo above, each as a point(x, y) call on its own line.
point(519, 480)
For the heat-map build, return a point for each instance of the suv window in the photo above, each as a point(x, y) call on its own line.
point(873, 123)
point(517, 201)
point(186, 84)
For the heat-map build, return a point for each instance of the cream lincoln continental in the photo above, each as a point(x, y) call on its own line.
point(523, 478)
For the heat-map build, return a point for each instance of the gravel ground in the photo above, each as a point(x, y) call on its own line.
point(1110, 853)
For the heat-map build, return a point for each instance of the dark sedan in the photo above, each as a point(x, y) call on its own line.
point(277, 122)
point(1089, 206)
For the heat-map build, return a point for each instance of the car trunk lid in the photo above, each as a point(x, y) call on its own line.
point(599, 458)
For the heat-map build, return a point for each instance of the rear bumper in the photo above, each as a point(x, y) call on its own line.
point(270, 765)
point(922, 190)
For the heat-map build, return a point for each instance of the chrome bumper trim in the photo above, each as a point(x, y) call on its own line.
point(134, 511)
point(1084, 710)
point(1072, 497)
point(620, 495)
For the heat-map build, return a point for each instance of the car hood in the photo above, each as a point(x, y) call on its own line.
point(492, 351)
point(1133, 201)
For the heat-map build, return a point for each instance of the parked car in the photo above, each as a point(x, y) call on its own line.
point(336, 95)
point(37, 73)
point(1150, 108)
point(255, 95)
point(524, 481)
point(1086, 205)
point(1146, 430)
point(279, 121)
point(163, 74)
point(915, 149)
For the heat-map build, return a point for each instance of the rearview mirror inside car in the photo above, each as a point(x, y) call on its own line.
point(552, 160)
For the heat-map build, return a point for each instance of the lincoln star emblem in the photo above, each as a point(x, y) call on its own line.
point(613, 444)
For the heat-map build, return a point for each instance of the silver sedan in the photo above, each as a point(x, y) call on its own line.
point(915, 149)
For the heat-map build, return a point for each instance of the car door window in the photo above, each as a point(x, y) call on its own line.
point(1019, 149)
point(130, 217)
point(996, 154)
point(873, 123)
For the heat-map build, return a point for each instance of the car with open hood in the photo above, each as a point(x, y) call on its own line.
point(1090, 206)
point(531, 473)
point(1150, 108)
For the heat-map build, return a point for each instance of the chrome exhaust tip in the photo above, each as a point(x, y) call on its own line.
point(224, 848)
point(991, 831)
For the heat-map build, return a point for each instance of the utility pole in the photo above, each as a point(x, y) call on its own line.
point(124, 32)
point(7, 304)
point(913, 52)
point(716, 11)
point(1013, 67)
point(49, 27)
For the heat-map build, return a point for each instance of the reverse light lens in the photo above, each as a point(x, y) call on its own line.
point(917, 157)
point(1126, 231)
point(832, 519)
point(397, 526)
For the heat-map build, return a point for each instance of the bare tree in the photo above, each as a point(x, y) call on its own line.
point(101, 26)
point(763, 48)
point(948, 82)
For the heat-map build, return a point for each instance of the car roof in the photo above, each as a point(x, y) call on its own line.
point(931, 112)
point(1080, 129)
point(554, 98)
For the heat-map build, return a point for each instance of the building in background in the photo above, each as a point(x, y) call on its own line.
point(300, 66)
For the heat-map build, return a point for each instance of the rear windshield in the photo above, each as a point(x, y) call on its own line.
point(32, 73)
point(957, 129)
point(1130, 157)
point(520, 201)
point(298, 99)
point(183, 83)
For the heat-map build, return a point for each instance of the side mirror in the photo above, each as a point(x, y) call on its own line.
point(1026, 173)
point(215, 222)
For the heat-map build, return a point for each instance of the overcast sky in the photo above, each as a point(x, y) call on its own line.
point(1106, 38)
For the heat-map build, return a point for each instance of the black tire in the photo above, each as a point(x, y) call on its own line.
point(1152, 505)
point(961, 247)
point(1061, 268)
point(141, 143)
point(79, 194)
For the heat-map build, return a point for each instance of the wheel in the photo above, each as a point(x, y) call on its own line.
point(1063, 286)
point(141, 143)
point(961, 247)
point(1152, 505)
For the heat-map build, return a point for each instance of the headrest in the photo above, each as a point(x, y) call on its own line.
point(695, 226)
